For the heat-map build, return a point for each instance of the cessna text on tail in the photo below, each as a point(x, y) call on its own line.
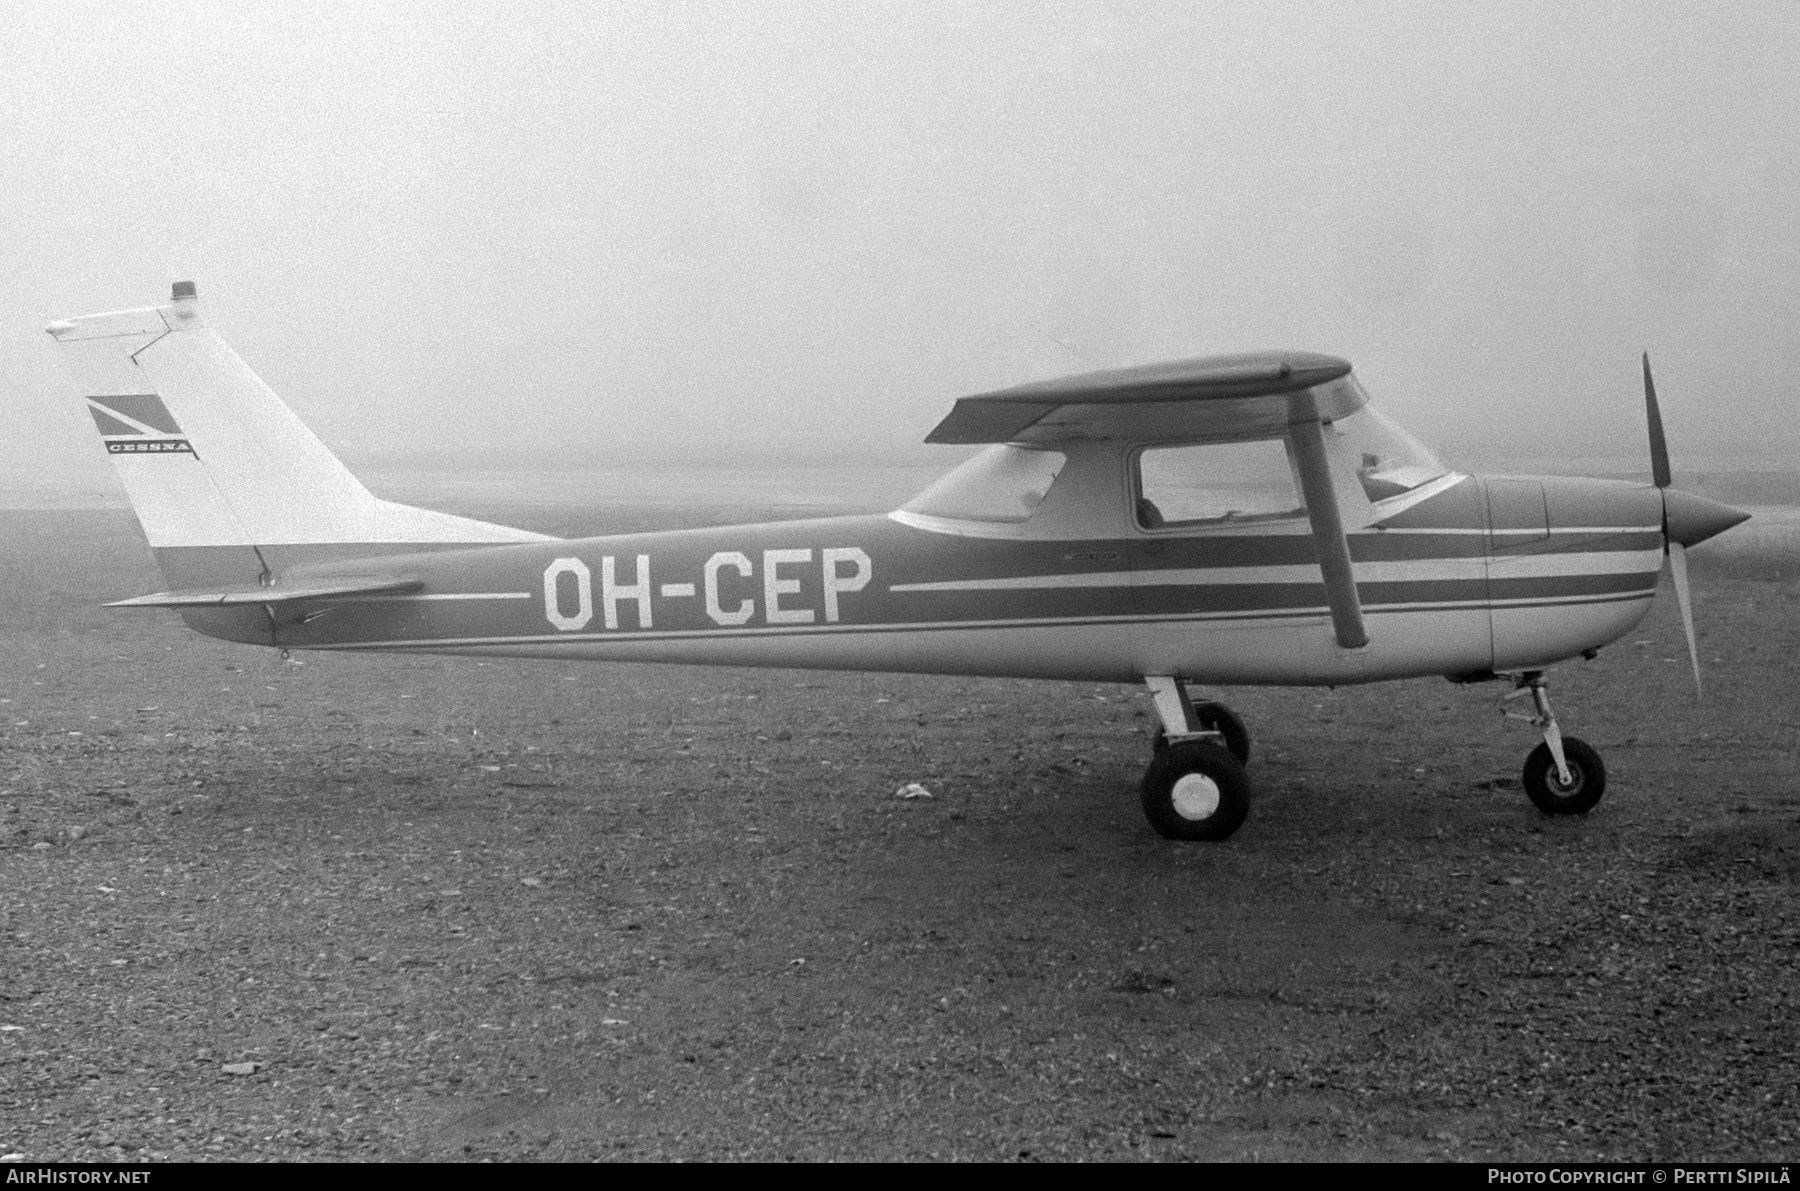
point(1232, 520)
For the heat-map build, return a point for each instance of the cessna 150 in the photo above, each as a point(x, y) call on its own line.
point(1242, 519)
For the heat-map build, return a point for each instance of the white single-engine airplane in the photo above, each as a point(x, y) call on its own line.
point(1240, 519)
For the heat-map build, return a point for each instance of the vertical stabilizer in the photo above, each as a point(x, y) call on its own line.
point(225, 480)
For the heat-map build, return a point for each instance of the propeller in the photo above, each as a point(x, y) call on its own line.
point(1663, 477)
point(1687, 519)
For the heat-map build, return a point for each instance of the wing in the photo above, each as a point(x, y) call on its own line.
point(1185, 400)
point(1260, 394)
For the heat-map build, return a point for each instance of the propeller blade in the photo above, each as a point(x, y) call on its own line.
point(1685, 600)
point(1659, 446)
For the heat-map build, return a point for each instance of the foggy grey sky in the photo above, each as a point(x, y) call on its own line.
point(551, 228)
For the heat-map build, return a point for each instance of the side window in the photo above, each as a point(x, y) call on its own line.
point(1001, 483)
point(1216, 482)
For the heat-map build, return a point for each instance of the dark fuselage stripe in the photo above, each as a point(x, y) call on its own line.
point(1318, 612)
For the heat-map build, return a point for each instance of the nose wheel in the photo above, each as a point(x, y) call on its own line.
point(1195, 787)
point(1563, 775)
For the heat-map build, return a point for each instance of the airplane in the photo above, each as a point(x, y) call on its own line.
point(1231, 520)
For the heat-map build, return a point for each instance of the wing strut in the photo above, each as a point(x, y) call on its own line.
point(1327, 523)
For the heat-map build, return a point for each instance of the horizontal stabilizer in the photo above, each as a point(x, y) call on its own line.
point(280, 593)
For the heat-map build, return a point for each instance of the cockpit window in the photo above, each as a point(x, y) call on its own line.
point(1001, 483)
point(1390, 461)
point(1216, 482)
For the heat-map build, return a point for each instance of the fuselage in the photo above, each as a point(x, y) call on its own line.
point(1461, 575)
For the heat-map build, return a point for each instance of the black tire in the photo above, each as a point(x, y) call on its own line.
point(1215, 717)
point(1210, 808)
point(1587, 779)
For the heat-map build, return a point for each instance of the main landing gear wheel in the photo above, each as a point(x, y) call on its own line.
point(1216, 717)
point(1195, 790)
point(1547, 790)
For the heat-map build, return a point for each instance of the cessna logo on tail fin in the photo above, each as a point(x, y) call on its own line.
point(153, 446)
point(137, 424)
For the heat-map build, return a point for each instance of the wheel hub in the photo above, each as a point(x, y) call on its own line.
point(1572, 786)
point(1196, 796)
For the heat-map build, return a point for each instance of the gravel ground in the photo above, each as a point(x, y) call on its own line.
point(452, 909)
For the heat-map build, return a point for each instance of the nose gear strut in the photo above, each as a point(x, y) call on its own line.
point(1533, 683)
point(1563, 775)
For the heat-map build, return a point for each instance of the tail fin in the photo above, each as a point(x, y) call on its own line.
point(228, 484)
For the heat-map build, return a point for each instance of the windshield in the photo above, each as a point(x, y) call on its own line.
point(1000, 483)
point(1391, 461)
